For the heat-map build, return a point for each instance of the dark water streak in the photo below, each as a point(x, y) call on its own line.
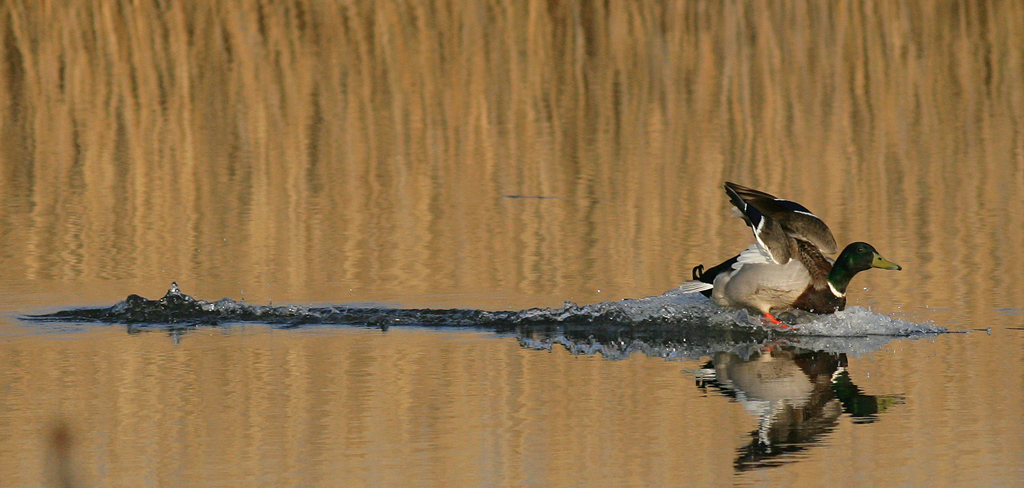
point(662, 326)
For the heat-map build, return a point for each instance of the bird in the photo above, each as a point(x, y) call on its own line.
point(786, 268)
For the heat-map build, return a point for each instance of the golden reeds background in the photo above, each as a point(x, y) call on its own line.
point(324, 147)
point(366, 151)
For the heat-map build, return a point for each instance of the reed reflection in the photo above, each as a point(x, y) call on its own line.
point(798, 393)
point(351, 151)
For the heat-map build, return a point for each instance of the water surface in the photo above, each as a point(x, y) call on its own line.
point(500, 156)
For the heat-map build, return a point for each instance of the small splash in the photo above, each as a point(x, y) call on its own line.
point(860, 321)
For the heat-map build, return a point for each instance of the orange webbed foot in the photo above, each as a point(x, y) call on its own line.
point(776, 322)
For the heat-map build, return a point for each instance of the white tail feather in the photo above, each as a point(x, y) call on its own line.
point(694, 286)
point(754, 254)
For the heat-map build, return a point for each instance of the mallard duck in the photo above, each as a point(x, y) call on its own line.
point(786, 268)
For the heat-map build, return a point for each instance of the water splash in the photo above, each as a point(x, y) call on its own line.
point(672, 315)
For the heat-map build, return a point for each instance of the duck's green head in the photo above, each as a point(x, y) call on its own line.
point(857, 257)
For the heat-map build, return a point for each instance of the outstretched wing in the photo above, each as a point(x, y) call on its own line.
point(775, 222)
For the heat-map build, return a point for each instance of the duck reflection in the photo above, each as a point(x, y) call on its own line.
point(797, 392)
point(797, 396)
